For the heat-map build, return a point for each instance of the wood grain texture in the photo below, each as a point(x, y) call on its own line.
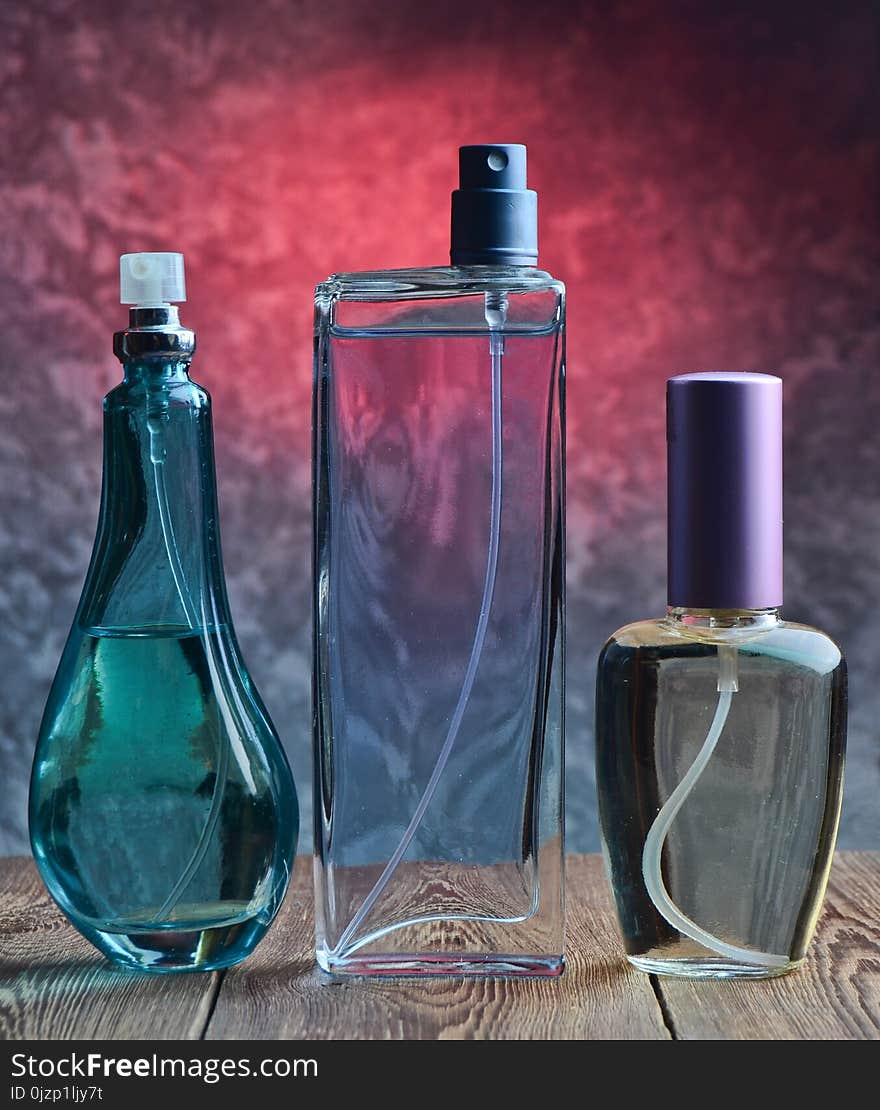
point(279, 993)
point(834, 995)
point(55, 986)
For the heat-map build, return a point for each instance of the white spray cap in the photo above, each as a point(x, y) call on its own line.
point(151, 278)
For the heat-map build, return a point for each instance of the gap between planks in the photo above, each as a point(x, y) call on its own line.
point(212, 1004)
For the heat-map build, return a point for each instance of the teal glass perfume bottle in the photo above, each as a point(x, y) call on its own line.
point(163, 814)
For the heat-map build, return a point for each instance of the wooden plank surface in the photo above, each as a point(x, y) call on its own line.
point(55, 986)
point(279, 993)
point(834, 995)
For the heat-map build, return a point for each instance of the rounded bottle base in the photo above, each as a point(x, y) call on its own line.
point(429, 964)
point(166, 950)
point(699, 967)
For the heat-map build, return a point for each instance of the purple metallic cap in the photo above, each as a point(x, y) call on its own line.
point(724, 451)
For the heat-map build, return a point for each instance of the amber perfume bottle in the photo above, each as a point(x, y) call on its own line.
point(720, 728)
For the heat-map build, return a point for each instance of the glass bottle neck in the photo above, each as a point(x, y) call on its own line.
point(155, 371)
point(711, 623)
point(157, 561)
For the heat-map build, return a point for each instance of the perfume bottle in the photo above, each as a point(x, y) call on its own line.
point(720, 729)
point(438, 603)
point(163, 815)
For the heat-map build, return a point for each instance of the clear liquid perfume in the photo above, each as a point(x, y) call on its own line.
point(439, 600)
point(163, 815)
point(720, 729)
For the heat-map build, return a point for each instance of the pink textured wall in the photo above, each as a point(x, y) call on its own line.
point(708, 183)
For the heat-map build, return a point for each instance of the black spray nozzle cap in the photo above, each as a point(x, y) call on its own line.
point(494, 215)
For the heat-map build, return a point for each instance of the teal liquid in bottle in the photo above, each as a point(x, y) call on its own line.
point(163, 815)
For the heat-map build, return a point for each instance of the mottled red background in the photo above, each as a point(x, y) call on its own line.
point(708, 189)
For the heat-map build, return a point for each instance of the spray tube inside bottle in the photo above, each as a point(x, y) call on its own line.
point(652, 870)
point(496, 313)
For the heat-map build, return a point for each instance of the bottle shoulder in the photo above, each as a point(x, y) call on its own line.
point(134, 392)
point(786, 640)
point(435, 281)
point(442, 301)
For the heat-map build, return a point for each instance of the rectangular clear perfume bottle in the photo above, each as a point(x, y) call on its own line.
point(439, 615)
